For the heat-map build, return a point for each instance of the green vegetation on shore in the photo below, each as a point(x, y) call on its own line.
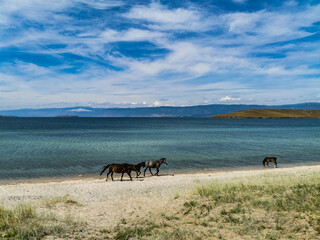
point(271, 113)
point(265, 206)
point(24, 222)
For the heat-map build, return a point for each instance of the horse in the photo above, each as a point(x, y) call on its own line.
point(117, 168)
point(154, 164)
point(270, 159)
point(122, 168)
point(136, 167)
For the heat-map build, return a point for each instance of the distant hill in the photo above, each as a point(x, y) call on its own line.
point(192, 111)
point(271, 113)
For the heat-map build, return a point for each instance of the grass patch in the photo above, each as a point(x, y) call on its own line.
point(168, 217)
point(265, 207)
point(23, 222)
point(67, 200)
point(260, 207)
point(134, 232)
point(298, 197)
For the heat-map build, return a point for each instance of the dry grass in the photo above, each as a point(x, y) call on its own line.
point(267, 207)
point(24, 222)
point(66, 200)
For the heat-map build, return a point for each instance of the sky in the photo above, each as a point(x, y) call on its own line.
point(134, 53)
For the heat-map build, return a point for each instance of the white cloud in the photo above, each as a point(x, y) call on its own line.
point(232, 70)
point(201, 68)
point(184, 57)
point(160, 14)
point(282, 71)
point(161, 18)
point(101, 4)
point(241, 22)
point(80, 110)
point(157, 104)
point(229, 99)
point(239, 1)
point(264, 26)
point(131, 34)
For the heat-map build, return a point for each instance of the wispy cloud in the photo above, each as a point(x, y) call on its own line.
point(118, 53)
point(101, 4)
point(160, 17)
point(229, 99)
point(110, 35)
point(80, 110)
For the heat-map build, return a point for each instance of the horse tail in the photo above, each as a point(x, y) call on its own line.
point(104, 168)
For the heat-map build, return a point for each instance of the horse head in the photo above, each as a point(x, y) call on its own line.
point(164, 160)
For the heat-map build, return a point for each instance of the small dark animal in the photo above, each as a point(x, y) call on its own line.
point(136, 167)
point(123, 168)
point(154, 164)
point(270, 159)
point(117, 168)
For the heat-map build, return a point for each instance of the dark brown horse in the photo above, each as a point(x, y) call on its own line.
point(154, 164)
point(122, 168)
point(270, 159)
point(136, 167)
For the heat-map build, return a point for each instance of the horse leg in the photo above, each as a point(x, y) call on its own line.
point(275, 164)
point(138, 173)
point(129, 176)
point(108, 176)
point(144, 173)
point(157, 172)
point(268, 164)
point(121, 176)
point(112, 176)
point(150, 171)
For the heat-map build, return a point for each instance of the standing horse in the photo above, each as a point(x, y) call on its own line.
point(117, 168)
point(154, 164)
point(270, 159)
point(136, 167)
point(123, 168)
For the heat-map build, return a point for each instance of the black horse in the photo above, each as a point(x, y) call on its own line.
point(122, 168)
point(136, 167)
point(154, 164)
point(270, 159)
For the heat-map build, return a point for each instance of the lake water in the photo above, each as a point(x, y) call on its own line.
point(60, 147)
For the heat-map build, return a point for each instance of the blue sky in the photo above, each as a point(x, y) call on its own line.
point(135, 53)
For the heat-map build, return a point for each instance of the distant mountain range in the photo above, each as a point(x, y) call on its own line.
point(192, 111)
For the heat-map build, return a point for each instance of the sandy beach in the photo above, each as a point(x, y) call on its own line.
point(103, 204)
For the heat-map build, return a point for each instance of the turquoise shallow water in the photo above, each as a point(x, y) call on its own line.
point(56, 147)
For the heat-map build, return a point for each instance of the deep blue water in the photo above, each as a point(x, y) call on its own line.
point(55, 147)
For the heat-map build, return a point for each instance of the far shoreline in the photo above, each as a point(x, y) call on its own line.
point(163, 172)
